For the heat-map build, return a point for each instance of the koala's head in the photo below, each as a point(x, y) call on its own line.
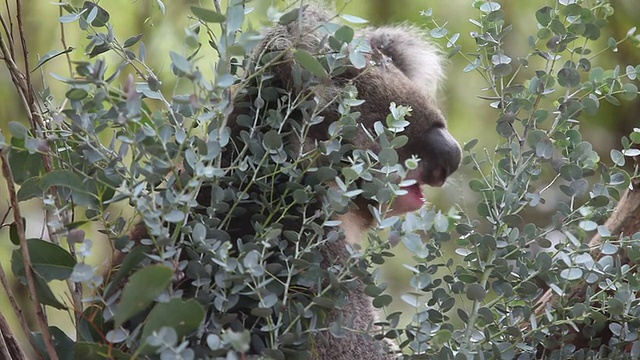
point(402, 68)
point(411, 77)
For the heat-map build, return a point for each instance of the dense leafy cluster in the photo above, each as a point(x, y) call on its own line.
point(539, 98)
point(201, 283)
point(193, 289)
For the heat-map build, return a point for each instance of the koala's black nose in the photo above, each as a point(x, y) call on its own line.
point(440, 158)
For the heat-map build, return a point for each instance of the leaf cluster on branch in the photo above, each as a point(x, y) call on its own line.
point(190, 289)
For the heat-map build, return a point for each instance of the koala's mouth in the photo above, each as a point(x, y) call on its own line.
point(414, 199)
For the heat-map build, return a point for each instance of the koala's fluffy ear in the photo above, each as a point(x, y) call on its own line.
point(407, 48)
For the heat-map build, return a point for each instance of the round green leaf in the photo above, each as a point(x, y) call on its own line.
point(590, 105)
point(441, 337)
point(616, 306)
point(588, 225)
point(543, 261)
point(382, 301)
point(477, 185)
point(180, 62)
point(438, 33)
point(630, 91)
point(476, 292)
point(592, 31)
point(571, 274)
point(502, 70)
point(272, 140)
point(545, 149)
point(631, 72)
point(617, 157)
point(18, 130)
point(608, 248)
point(543, 15)
point(388, 156)
point(489, 6)
point(469, 145)
point(568, 77)
point(344, 34)
point(571, 172)
point(182, 316)
point(557, 27)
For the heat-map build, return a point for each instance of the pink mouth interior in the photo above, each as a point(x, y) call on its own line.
point(412, 201)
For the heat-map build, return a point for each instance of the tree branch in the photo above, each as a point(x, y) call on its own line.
point(624, 220)
point(24, 249)
point(22, 82)
point(36, 121)
point(10, 348)
point(16, 307)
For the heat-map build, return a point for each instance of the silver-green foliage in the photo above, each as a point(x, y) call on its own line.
point(125, 142)
point(507, 263)
point(221, 271)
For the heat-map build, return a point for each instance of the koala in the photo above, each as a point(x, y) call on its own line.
point(403, 67)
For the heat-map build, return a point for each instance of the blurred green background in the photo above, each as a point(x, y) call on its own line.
point(469, 117)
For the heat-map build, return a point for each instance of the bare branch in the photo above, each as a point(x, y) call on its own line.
point(22, 82)
point(10, 27)
point(15, 306)
point(63, 40)
point(35, 120)
point(7, 30)
point(10, 348)
point(28, 269)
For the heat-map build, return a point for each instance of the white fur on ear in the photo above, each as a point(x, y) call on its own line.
point(420, 60)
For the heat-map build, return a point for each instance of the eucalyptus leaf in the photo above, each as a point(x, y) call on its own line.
point(141, 290)
point(310, 63)
point(207, 15)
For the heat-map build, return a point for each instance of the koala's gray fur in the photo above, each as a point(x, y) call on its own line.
point(403, 68)
point(408, 72)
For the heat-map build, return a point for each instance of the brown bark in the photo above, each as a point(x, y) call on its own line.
point(10, 348)
point(624, 221)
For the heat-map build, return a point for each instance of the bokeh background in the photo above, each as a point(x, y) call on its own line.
point(469, 116)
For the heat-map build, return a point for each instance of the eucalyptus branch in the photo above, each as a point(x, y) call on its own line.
point(22, 83)
point(24, 249)
point(17, 310)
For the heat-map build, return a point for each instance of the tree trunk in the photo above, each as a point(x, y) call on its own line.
point(624, 221)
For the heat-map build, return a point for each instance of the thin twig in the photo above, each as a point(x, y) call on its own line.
point(10, 347)
point(14, 70)
point(36, 121)
point(8, 32)
point(216, 5)
point(24, 249)
point(63, 40)
point(74, 288)
point(15, 306)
